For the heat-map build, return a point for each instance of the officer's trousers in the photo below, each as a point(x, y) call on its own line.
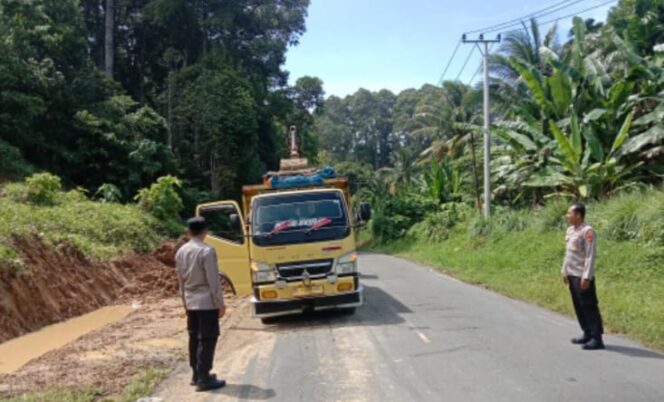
point(203, 328)
point(586, 307)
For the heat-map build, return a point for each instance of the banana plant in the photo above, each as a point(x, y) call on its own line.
point(443, 181)
point(594, 172)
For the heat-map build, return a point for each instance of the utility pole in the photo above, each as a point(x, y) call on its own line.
point(487, 119)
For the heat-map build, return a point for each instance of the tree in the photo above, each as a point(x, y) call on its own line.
point(109, 50)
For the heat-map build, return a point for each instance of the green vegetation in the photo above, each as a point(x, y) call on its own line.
point(99, 229)
point(194, 89)
point(60, 394)
point(577, 120)
point(140, 386)
point(523, 254)
point(580, 119)
point(163, 202)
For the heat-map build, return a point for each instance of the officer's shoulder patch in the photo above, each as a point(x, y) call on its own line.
point(590, 235)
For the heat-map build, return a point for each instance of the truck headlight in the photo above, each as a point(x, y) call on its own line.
point(262, 272)
point(347, 264)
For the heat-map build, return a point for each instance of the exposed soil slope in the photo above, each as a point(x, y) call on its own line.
point(61, 283)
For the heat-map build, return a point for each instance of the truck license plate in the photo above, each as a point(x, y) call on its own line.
point(304, 291)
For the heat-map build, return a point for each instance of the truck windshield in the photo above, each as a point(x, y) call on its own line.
point(299, 218)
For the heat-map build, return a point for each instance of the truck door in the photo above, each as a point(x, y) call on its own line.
point(230, 243)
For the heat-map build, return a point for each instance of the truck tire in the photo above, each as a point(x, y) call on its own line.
point(226, 284)
point(268, 320)
point(348, 310)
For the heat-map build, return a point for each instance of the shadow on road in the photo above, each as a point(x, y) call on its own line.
point(245, 391)
point(380, 308)
point(634, 352)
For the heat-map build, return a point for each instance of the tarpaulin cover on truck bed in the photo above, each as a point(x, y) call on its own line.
point(316, 179)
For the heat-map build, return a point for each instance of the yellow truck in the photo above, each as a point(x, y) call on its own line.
point(293, 247)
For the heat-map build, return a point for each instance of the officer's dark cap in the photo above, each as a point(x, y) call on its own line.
point(197, 225)
point(579, 208)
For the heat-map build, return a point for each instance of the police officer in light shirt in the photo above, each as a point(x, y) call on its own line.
point(202, 296)
point(579, 274)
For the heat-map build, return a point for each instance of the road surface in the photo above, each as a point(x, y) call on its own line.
point(422, 336)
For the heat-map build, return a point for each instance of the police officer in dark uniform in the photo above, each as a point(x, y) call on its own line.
point(579, 274)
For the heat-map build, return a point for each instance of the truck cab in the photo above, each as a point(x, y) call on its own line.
point(292, 248)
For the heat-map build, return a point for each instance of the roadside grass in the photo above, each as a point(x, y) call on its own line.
point(60, 394)
point(523, 261)
point(140, 386)
point(99, 230)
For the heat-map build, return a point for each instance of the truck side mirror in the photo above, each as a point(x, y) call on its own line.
point(236, 225)
point(365, 212)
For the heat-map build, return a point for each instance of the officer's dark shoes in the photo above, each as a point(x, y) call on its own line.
point(209, 384)
point(593, 344)
point(194, 378)
point(581, 340)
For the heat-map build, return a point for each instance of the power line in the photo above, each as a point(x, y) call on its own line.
point(442, 77)
point(508, 28)
point(520, 22)
point(472, 50)
point(561, 5)
point(578, 12)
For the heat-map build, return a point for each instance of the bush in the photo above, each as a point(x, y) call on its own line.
point(394, 216)
point(100, 231)
point(76, 195)
point(436, 226)
point(12, 164)
point(108, 193)
point(552, 215)
point(43, 189)
point(39, 189)
point(634, 216)
point(510, 220)
point(479, 227)
point(163, 202)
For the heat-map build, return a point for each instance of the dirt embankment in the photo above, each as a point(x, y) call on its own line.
point(57, 284)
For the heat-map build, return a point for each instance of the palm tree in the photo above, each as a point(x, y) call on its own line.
point(525, 46)
point(451, 122)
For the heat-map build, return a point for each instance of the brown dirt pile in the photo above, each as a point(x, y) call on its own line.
point(57, 284)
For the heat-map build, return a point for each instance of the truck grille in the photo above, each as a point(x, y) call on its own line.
point(295, 270)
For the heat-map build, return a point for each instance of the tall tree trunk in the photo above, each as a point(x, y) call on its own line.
point(141, 65)
point(109, 49)
point(170, 110)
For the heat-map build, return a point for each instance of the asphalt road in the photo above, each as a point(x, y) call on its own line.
point(422, 336)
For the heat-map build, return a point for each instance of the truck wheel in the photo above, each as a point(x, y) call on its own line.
point(226, 284)
point(268, 320)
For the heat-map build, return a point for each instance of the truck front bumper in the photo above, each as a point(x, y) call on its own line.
point(275, 308)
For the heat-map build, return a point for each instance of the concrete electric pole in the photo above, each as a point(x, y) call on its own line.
point(487, 119)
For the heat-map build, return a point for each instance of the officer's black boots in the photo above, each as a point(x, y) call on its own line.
point(581, 340)
point(194, 378)
point(594, 344)
point(209, 383)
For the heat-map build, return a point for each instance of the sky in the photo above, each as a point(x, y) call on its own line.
point(399, 44)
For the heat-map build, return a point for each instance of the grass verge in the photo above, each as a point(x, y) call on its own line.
point(140, 386)
point(99, 230)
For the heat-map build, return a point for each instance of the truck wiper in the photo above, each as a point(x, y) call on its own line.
point(318, 225)
point(280, 228)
